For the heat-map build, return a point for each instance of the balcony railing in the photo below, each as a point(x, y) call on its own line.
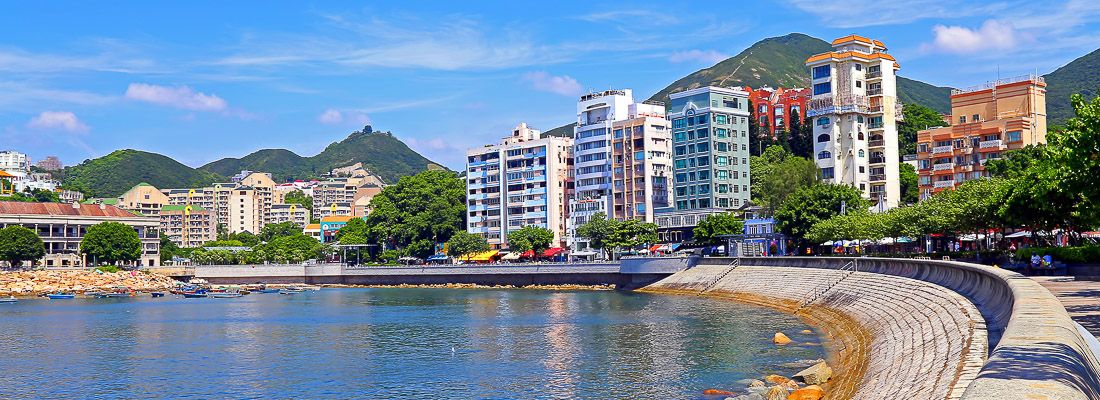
point(943, 166)
point(878, 177)
point(878, 160)
point(943, 149)
point(874, 74)
point(874, 92)
point(874, 125)
point(944, 184)
point(877, 143)
point(837, 105)
point(991, 143)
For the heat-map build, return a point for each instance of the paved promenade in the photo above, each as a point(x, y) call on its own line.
point(1081, 299)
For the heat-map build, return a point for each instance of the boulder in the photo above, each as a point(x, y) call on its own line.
point(716, 392)
point(780, 338)
point(815, 375)
point(776, 379)
point(812, 392)
point(757, 383)
point(776, 393)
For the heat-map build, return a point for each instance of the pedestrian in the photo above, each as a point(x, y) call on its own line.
point(1034, 263)
point(1048, 261)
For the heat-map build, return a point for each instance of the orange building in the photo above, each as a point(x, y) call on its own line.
point(986, 121)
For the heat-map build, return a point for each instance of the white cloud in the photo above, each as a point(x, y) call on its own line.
point(992, 35)
point(333, 116)
point(178, 97)
point(701, 56)
point(58, 120)
point(563, 85)
point(648, 16)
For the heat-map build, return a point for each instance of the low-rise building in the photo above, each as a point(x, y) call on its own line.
point(776, 108)
point(11, 160)
point(330, 225)
point(62, 226)
point(143, 199)
point(289, 213)
point(188, 226)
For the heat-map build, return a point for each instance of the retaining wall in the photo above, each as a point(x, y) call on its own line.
point(1037, 350)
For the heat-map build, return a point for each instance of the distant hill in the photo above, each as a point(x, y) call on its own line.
point(1079, 76)
point(780, 62)
point(562, 131)
point(115, 173)
point(380, 152)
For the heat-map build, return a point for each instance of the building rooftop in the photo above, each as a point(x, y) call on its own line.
point(62, 209)
point(194, 208)
point(337, 218)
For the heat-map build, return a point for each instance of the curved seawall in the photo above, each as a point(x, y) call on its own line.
point(917, 329)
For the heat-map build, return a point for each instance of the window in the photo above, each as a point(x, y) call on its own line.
point(962, 119)
point(823, 121)
point(862, 153)
point(680, 150)
point(824, 137)
point(730, 103)
point(679, 137)
point(821, 71)
point(822, 88)
point(721, 146)
point(639, 155)
point(975, 118)
point(859, 67)
point(859, 84)
point(827, 173)
point(681, 164)
point(860, 136)
point(823, 155)
point(720, 118)
point(721, 161)
point(1014, 136)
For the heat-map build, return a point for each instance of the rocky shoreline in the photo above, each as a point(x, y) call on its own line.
point(37, 283)
point(476, 286)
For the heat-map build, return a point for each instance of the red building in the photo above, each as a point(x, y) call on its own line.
point(773, 108)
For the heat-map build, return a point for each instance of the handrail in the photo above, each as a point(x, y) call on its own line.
point(730, 267)
point(847, 270)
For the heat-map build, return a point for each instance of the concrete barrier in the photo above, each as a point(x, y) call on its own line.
point(1036, 349)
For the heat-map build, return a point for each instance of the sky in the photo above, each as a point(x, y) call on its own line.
point(202, 80)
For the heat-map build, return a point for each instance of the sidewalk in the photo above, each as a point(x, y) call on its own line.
point(1081, 299)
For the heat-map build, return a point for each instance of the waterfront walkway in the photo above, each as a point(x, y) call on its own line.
point(1081, 299)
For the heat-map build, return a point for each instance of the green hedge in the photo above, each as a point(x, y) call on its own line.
point(1071, 255)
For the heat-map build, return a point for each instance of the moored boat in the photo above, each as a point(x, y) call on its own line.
point(157, 294)
point(60, 296)
point(225, 295)
point(198, 294)
point(9, 299)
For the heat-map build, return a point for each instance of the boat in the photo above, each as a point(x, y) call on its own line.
point(268, 291)
point(157, 294)
point(291, 290)
point(60, 296)
point(116, 293)
point(225, 295)
point(198, 294)
point(9, 299)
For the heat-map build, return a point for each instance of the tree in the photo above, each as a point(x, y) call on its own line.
point(598, 231)
point(917, 118)
point(272, 231)
point(463, 243)
point(429, 206)
point(812, 204)
point(776, 174)
point(246, 238)
point(610, 235)
point(712, 226)
point(801, 137)
point(18, 244)
point(299, 198)
point(910, 193)
point(168, 248)
point(290, 249)
point(1076, 151)
point(111, 242)
point(530, 237)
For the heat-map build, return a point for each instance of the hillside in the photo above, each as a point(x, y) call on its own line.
point(115, 173)
point(780, 61)
point(380, 152)
point(1079, 76)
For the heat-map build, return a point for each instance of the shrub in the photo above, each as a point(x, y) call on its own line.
point(1071, 255)
point(108, 268)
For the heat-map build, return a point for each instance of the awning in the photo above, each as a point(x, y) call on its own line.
point(1019, 234)
point(484, 256)
point(553, 251)
point(527, 254)
point(511, 256)
point(583, 253)
point(437, 257)
point(654, 248)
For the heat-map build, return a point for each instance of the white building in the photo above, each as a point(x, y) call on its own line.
point(523, 181)
point(596, 114)
point(11, 161)
point(855, 111)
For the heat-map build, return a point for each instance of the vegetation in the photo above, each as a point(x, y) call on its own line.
point(777, 174)
point(272, 231)
point(111, 242)
point(108, 268)
point(711, 227)
point(1072, 255)
point(19, 244)
point(463, 244)
point(812, 204)
point(917, 118)
point(237, 239)
point(1081, 76)
point(115, 173)
point(293, 248)
point(33, 196)
point(168, 248)
point(611, 235)
point(355, 232)
point(380, 152)
point(299, 198)
point(534, 238)
point(417, 212)
point(910, 190)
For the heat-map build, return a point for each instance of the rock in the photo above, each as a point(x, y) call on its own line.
point(776, 379)
point(757, 383)
point(776, 393)
point(716, 392)
point(780, 338)
point(815, 375)
point(790, 385)
point(812, 392)
point(807, 331)
point(758, 390)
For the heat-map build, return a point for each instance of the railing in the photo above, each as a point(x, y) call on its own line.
point(991, 143)
point(846, 271)
point(993, 84)
point(943, 166)
point(878, 177)
point(874, 92)
point(877, 143)
point(943, 149)
point(944, 184)
point(874, 74)
point(730, 267)
point(878, 160)
point(874, 125)
point(837, 105)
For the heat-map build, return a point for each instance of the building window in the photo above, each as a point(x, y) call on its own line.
point(822, 88)
point(859, 84)
point(823, 121)
point(859, 67)
point(962, 119)
point(827, 173)
point(823, 155)
point(1014, 136)
point(975, 118)
point(822, 138)
point(821, 72)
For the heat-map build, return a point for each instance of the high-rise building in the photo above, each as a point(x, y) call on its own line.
point(986, 121)
point(246, 210)
point(50, 163)
point(143, 199)
point(289, 213)
point(596, 114)
point(710, 157)
point(523, 181)
point(855, 111)
point(641, 163)
point(11, 160)
point(188, 226)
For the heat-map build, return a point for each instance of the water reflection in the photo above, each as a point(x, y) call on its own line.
point(390, 343)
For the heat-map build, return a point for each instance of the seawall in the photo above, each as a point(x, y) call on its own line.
point(917, 329)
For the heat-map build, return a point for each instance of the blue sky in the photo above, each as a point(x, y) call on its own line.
point(198, 81)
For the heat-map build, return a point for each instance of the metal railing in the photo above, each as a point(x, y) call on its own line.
point(729, 268)
point(992, 84)
point(845, 271)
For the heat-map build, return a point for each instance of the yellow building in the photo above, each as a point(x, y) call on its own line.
point(188, 226)
point(986, 121)
point(143, 199)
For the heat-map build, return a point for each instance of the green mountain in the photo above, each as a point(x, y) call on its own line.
point(1079, 76)
point(562, 131)
point(780, 61)
point(115, 173)
point(380, 152)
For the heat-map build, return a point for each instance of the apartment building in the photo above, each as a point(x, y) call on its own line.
point(986, 121)
point(11, 161)
point(62, 227)
point(775, 108)
point(263, 188)
point(345, 195)
point(363, 196)
point(188, 225)
point(289, 213)
point(523, 181)
point(855, 110)
point(641, 163)
point(144, 199)
point(710, 158)
point(246, 210)
point(596, 115)
point(50, 163)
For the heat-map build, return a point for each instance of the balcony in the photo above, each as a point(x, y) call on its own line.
point(837, 105)
point(878, 160)
point(992, 144)
point(874, 125)
point(874, 92)
point(874, 75)
point(878, 177)
point(944, 184)
point(943, 167)
point(877, 143)
point(943, 149)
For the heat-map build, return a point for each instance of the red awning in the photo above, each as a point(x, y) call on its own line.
point(553, 251)
point(527, 254)
point(654, 248)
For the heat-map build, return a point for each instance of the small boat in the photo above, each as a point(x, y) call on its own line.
point(225, 295)
point(9, 299)
point(268, 291)
point(60, 296)
point(198, 294)
point(157, 294)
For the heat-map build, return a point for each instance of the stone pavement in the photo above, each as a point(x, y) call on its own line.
point(1081, 299)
